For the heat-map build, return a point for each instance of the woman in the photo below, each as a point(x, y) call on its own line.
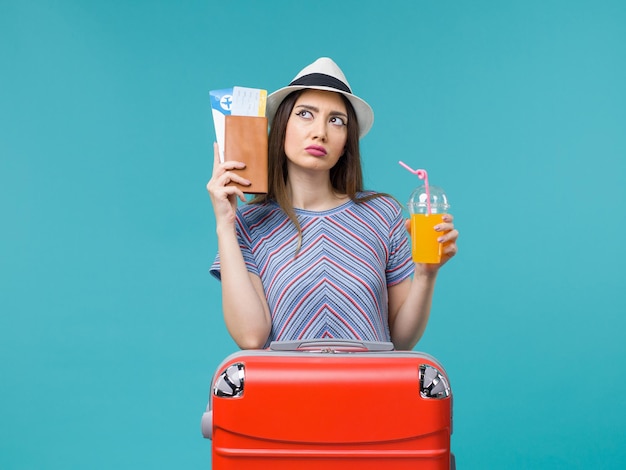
point(318, 256)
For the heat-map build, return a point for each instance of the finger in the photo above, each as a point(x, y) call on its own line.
point(222, 168)
point(216, 155)
point(233, 177)
point(229, 193)
point(448, 237)
point(218, 184)
point(234, 192)
point(229, 164)
point(444, 227)
point(450, 249)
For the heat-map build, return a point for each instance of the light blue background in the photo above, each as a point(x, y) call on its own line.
point(110, 325)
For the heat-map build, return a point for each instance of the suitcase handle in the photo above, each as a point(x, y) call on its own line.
point(331, 346)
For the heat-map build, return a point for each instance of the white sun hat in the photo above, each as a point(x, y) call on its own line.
point(324, 74)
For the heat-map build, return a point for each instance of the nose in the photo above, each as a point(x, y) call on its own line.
point(319, 130)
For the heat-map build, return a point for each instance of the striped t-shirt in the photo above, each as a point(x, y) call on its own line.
point(336, 287)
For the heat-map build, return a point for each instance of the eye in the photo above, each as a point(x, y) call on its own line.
point(304, 113)
point(338, 121)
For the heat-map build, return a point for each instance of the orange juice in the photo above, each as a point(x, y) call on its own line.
point(425, 247)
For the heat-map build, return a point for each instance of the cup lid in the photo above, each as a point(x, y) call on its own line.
point(419, 199)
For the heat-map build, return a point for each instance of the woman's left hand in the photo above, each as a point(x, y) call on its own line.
point(447, 237)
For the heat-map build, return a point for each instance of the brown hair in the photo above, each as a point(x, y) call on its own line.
point(346, 177)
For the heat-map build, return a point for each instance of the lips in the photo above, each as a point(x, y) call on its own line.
point(316, 150)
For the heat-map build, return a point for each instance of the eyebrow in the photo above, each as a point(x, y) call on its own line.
point(316, 109)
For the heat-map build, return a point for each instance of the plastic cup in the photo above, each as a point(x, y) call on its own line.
point(424, 217)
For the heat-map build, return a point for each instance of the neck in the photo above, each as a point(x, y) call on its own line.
point(313, 191)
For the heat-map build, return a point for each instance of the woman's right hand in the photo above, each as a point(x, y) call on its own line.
point(224, 196)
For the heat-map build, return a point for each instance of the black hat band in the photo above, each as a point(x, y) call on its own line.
point(321, 79)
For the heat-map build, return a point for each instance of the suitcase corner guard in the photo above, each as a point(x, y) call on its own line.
point(230, 382)
point(433, 384)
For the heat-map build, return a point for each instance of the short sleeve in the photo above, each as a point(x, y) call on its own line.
point(400, 264)
point(245, 244)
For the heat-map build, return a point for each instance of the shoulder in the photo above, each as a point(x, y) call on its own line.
point(384, 205)
point(254, 211)
point(260, 216)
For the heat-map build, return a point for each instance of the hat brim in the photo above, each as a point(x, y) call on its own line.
point(364, 112)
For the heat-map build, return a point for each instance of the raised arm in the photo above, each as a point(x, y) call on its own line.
point(246, 313)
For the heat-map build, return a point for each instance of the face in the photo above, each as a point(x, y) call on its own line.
point(317, 130)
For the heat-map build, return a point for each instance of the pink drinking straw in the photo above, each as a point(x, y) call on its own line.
point(423, 175)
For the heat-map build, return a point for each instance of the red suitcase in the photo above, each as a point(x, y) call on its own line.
point(331, 404)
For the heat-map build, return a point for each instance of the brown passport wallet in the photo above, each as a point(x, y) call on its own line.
point(245, 140)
